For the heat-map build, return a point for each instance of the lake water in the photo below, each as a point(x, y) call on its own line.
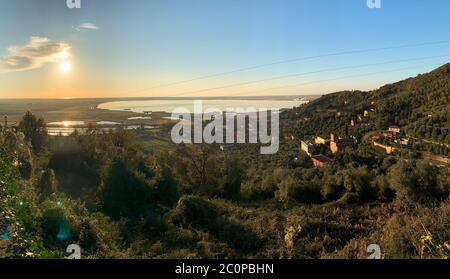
point(80, 123)
point(66, 123)
point(66, 128)
point(170, 105)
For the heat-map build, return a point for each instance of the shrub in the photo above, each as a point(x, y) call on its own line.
point(193, 211)
point(419, 182)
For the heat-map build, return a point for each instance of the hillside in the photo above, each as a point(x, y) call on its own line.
point(419, 105)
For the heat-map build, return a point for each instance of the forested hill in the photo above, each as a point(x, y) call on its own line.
point(419, 105)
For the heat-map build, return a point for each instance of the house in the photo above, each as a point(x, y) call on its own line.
point(394, 129)
point(307, 147)
point(337, 144)
point(290, 137)
point(389, 149)
point(404, 141)
point(319, 161)
point(319, 140)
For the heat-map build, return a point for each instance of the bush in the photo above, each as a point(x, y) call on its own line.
point(419, 182)
point(193, 211)
point(302, 191)
point(47, 184)
point(332, 190)
point(65, 221)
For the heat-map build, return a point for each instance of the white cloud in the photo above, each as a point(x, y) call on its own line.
point(33, 55)
point(87, 25)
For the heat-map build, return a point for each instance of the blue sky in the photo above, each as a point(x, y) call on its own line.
point(139, 44)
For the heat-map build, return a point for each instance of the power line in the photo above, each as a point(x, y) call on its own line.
point(292, 61)
point(339, 78)
point(309, 73)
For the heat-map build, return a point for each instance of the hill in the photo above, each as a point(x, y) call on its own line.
point(419, 105)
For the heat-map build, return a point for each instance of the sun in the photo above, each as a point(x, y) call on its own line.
point(65, 67)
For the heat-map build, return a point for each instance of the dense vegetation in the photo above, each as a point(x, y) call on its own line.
point(118, 196)
point(420, 106)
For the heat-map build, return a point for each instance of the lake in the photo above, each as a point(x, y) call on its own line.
point(66, 128)
point(222, 104)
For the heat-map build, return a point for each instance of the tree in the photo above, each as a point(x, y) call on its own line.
point(124, 193)
point(198, 166)
point(287, 189)
point(47, 183)
point(418, 181)
point(34, 130)
point(331, 190)
point(166, 187)
point(358, 183)
point(232, 177)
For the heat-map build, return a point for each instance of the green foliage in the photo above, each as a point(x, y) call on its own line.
point(232, 178)
point(125, 193)
point(421, 235)
point(47, 184)
point(332, 188)
point(192, 211)
point(34, 130)
point(65, 221)
point(419, 182)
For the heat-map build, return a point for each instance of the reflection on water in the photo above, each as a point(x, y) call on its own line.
point(80, 123)
point(66, 123)
point(68, 127)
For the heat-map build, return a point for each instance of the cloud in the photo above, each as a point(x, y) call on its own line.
point(34, 54)
point(87, 25)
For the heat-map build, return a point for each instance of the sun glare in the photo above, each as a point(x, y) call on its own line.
point(65, 67)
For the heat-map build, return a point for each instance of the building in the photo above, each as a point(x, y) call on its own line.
point(290, 137)
point(337, 144)
point(319, 161)
point(389, 149)
point(366, 113)
point(394, 129)
point(307, 147)
point(404, 141)
point(320, 140)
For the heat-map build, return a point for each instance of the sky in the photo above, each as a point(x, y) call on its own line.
point(160, 48)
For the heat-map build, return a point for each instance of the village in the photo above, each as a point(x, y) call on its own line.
point(322, 148)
